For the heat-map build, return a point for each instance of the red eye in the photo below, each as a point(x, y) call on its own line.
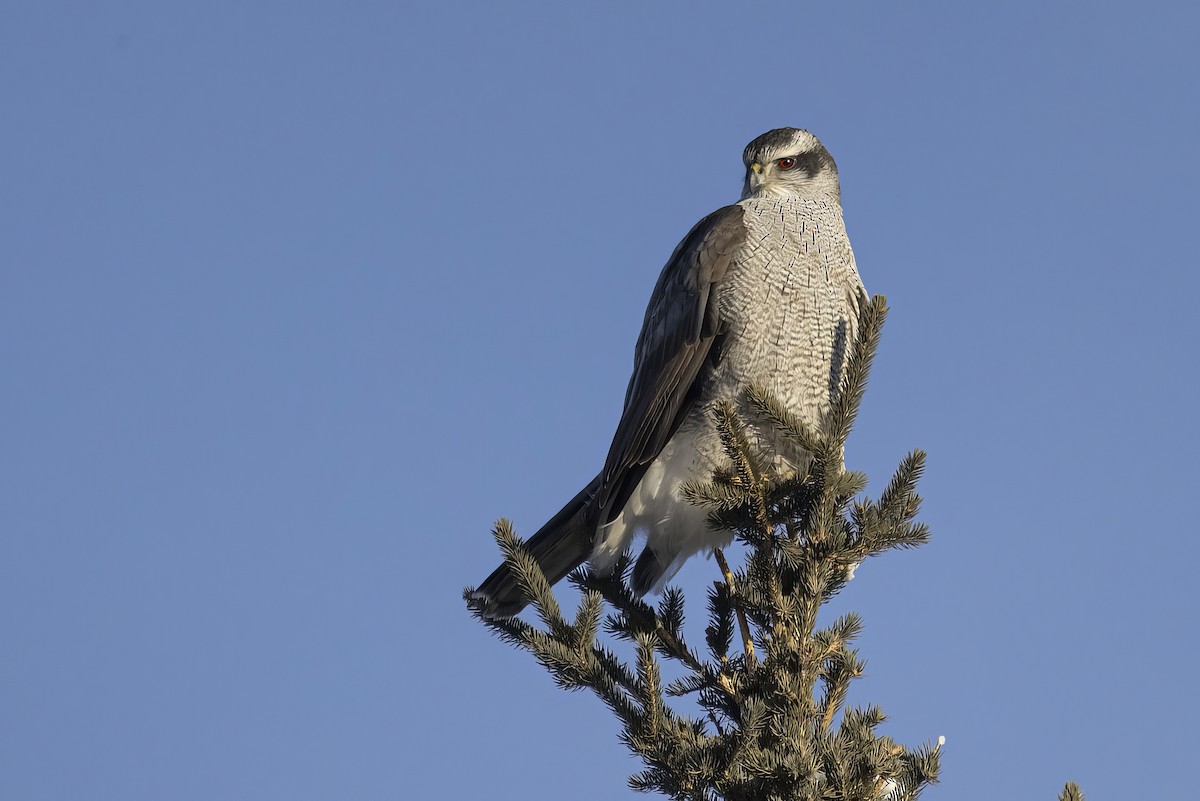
point(786, 164)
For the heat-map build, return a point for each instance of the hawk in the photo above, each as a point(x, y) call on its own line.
point(762, 292)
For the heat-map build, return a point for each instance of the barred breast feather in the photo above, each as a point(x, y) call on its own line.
point(788, 307)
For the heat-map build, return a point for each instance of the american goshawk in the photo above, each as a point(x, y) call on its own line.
point(762, 292)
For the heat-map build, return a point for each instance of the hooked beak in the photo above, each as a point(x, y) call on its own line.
point(754, 179)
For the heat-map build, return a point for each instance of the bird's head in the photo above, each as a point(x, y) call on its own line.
point(789, 162)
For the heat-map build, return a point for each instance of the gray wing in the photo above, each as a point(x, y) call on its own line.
point(682, 321)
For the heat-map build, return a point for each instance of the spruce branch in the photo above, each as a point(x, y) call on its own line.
point(872, 314)
point(1071, 792)
point(782, 419)
point(747, 640)
point(773, 721)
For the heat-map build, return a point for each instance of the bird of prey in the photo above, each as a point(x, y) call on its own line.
point(761, 292)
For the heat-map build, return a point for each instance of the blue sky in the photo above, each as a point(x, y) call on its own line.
point(297, 298)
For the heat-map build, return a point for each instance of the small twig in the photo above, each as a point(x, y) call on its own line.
point(676, 647)
point(747, 643)
point(830, 710)
point(793, 530)
point(685, 656)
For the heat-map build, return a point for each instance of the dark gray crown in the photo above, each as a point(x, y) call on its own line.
point(808, 150)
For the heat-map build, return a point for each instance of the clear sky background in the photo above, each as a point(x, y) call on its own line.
point(297, 298)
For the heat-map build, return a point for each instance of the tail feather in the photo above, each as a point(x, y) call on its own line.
point(560, 546)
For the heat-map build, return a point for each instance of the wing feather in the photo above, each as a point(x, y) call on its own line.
point(682, 321)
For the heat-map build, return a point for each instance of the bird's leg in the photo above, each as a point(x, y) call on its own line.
point(747, 643)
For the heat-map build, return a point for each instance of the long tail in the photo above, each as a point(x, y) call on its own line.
point(560, 546)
